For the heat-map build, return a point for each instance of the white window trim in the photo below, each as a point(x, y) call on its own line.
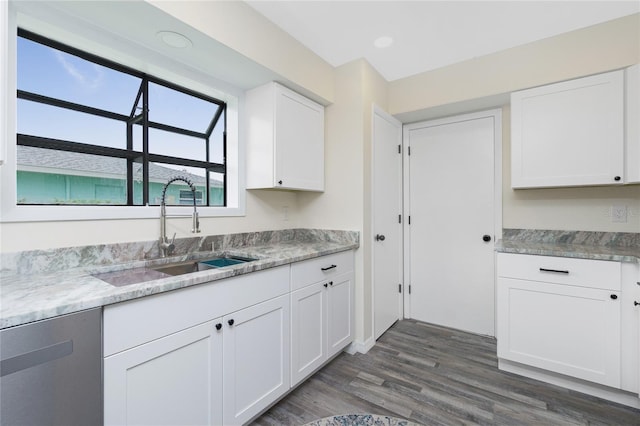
point(13, 16)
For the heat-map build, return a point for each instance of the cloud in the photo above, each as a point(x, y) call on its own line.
point(89, 82)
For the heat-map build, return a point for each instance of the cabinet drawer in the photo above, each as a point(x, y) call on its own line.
point(561, 270)
point(321, 268)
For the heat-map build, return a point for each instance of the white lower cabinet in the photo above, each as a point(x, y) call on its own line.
point(561, 315)
point(565, 329)
point(221, 353)
point(256, 359)
point(308, 330)
point(321, 313)
point(340, 317)
point(173, 380)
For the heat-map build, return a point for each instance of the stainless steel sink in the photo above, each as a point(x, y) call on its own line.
point(201, 265)
point(182, 268)
point(150, 273)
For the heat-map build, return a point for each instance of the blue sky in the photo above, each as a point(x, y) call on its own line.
point(53, 73)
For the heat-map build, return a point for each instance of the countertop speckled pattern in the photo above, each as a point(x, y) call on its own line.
point(28, 296)
point(620, 247)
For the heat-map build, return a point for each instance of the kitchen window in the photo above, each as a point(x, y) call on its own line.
point(94, 132)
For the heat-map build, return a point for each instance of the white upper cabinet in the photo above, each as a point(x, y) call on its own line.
point(569, 133)
point(632, 127)
point(285, 140)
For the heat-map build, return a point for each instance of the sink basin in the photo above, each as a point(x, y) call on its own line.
point(143, 274)
point(221, 262)
point(201, 265)
point(181, 268)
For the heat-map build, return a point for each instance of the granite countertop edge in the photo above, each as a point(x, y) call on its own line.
point(578, 251)
point(28, 298)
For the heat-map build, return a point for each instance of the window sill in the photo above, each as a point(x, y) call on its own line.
point(72, 213)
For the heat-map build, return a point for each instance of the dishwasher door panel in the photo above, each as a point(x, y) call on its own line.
point(51, 371)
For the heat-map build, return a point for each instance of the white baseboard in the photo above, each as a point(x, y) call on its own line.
point(359, 346)
point(594, 389)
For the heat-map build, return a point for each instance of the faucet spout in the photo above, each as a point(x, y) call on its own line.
point(167, 247)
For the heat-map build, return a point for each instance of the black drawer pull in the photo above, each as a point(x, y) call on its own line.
point(557, 271)
point(328, 267)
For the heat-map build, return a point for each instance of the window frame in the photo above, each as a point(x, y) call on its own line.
point(141, 119)
point(163, 67)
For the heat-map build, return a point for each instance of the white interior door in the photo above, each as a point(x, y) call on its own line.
point(454, 206)
point(387, 214)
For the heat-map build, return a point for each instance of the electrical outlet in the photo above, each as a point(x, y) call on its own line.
point(619, 214)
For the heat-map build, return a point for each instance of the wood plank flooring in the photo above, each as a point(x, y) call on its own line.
point(437, 376)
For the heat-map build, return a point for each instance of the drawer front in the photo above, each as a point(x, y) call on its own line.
point(321, 268)
point(138, 321)
point(561, 270)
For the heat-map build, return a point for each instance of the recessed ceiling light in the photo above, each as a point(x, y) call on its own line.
point(174, 39)
point(382, 42)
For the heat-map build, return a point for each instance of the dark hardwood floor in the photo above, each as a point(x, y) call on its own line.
point(437, 376)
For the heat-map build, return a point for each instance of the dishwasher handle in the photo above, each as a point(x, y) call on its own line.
point(36, 357)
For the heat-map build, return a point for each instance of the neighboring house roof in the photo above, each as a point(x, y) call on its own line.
point(64, 162)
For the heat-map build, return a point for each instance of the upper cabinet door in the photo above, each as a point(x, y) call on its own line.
point(285, 140)
point(569, 133)
point(632, 128)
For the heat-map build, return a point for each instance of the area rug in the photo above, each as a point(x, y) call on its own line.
point(361, 420)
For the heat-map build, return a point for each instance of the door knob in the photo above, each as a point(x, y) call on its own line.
point(486, 238)
point(379, 237)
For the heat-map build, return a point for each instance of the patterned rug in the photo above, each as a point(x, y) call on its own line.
point(361, 420)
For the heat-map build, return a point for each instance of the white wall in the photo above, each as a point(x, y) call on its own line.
point(346, 202)
point(462, 87)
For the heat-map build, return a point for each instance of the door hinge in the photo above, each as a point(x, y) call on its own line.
point(399, 149)
point(399, 288)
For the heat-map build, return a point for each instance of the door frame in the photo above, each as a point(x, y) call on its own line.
point(376, 110)
point(496, 115)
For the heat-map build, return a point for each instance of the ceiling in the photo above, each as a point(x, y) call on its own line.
point(430, 34)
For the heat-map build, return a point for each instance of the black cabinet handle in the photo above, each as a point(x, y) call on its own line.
point(380, 237)
point(635, 303)
point(330, 282)
point(614, 296)
point(617, 178)
point(328, 267)
point(557, 271)
point(279, 182)
point(486, 238)
point(218, 326)
point(326, 285)
point(230, 322)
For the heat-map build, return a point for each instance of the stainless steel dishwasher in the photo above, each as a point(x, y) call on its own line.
point(51, 371)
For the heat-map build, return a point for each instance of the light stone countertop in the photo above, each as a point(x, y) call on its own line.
point(619, 247)
point(27, 297)
point(579, 251)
